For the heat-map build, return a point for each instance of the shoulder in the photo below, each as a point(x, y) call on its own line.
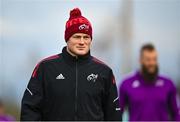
point(128, 79)
point(100, 63)
point(167, 81)
point(50, 59)
point(45, 61)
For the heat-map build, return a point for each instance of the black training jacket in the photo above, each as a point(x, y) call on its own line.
point(63, 87)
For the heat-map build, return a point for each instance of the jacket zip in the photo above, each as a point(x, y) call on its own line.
point(76, 88)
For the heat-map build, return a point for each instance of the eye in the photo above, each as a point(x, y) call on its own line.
point(77, 37)
point(86, 37)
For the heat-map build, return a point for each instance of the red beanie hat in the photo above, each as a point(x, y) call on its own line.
point(77, 24)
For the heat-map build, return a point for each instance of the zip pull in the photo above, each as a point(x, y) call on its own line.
point(77, 58)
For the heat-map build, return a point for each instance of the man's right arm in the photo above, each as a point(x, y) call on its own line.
point(33, 95)
point(123, 99)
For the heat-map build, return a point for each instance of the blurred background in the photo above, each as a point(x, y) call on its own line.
point(31, 30)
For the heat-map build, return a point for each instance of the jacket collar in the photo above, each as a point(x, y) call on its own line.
point(69, 58)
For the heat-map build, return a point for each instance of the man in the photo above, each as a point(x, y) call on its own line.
point(72, 85)
point(3, 115)
point(148, 95)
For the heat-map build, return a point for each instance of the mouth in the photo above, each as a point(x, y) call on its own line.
point(80, 48)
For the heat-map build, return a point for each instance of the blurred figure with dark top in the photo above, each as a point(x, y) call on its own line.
point(148, 95)
point(3, 115)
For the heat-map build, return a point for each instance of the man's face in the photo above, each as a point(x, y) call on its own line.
point(149, 61)
point(79, 44)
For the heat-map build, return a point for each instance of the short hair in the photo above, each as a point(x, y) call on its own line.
point(147, 47)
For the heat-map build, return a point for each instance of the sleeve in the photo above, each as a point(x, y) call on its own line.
point(123, 99)
point(112, 109)
point(173, 102)
point(33, 95)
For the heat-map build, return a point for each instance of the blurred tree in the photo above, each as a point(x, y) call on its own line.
point(126, 35)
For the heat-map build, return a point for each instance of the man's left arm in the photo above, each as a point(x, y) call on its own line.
point(173, 103)
point(112, 110)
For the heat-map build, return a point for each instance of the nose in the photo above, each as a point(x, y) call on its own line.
point(81, 41)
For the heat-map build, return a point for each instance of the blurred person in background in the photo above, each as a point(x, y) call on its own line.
point(72, 85)
point(3, 115)
point(148, 95)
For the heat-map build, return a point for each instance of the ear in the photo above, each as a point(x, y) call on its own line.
point(67, 44)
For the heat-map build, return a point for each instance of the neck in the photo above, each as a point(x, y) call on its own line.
point(150, 78)
point(74, 55)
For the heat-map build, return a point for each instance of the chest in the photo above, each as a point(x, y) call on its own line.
point(149, 94)
point(66, 81)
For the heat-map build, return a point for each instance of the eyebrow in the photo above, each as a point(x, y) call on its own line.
point(81, 36)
